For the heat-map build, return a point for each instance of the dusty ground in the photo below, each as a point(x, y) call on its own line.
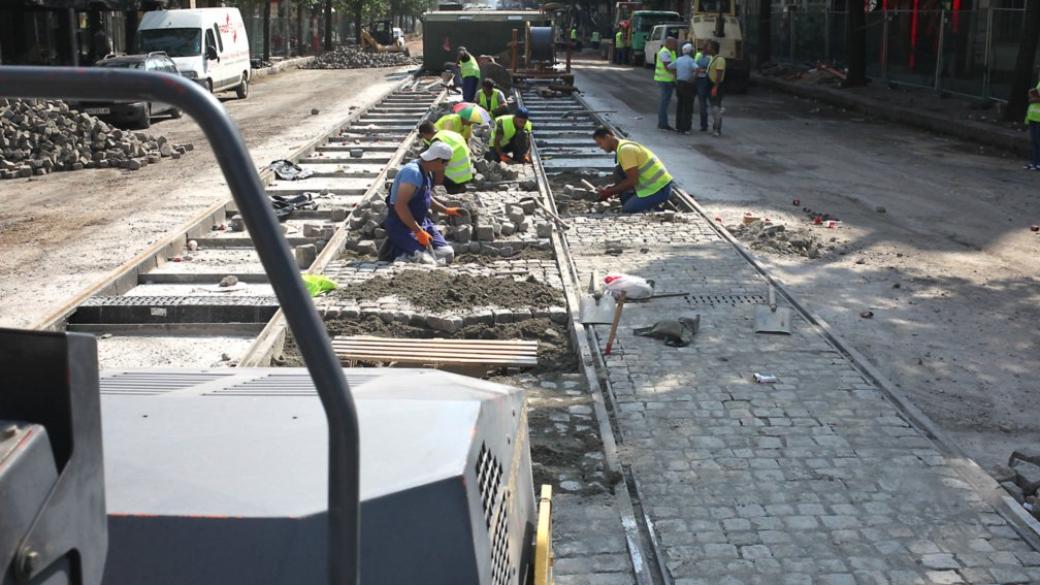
point(440, 290)
point(63, 232)
point(949, 268)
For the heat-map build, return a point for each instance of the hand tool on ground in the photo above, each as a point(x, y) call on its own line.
point(770, 319)
point(594, 307)
point(664, 296)
point(575, 113)
point(614, 324)
point(557, 219)
point(589, 185)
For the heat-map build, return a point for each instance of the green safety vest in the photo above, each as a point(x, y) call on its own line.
point(458, 168)
point(652, 175)
point(470, 68)
point(661, 72)
point(508, 130)
point(595, 37)
point(454, 123)
point(497, 99)
point(619, 40)
point(1033, 113)
point(574, 34)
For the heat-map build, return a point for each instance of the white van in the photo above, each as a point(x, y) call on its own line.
point(655, 41)
point(208, 45)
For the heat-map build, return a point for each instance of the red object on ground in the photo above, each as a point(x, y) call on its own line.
point(818, 220)
point(718, 219)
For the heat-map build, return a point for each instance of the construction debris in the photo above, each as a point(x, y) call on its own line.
point(352, 58)
point(43, 136)
point(763, 235)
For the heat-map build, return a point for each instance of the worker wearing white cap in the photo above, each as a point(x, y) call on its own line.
point(410, 231)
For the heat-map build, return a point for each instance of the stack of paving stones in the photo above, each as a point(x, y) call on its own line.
point(815, 479)
point(43, 136)
point(353, 58)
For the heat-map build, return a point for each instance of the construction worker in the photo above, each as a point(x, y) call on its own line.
point(703, 86)
point(1033, 121)
point(685, 68)
point(411, 233)
point(717, 76)
point(455, 123)
point(665, 80)
point(620, 51)
point(470, 70)
point(643, 182)
point(459, 169)
point(574, 38)
point(511, 138)
point(492, 99)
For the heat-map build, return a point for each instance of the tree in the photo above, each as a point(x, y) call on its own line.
point(267, 30)
point(1022, 81)
point(765, 31)
point(856, 43)
point(328, 25)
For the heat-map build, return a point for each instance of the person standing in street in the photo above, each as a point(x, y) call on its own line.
point(1033, 121)
point(703, 85)
point(665, 80)
point(685, 89)
point(717, 76)
point(470, 70)
point(619, 47)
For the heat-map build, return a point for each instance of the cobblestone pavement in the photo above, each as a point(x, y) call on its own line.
point(816, 479)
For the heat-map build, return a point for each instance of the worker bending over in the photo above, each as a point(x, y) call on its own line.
point(643, 182)
point(455, 123)
point(492, 99)
point(511, 138)
point(409, 229)
point(459, 169)
point(470, 70)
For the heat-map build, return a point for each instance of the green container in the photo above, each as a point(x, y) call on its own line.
point(481, 32)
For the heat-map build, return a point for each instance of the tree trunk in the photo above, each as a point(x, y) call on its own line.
point(358, 8)
point(328, 25)
point(765, 32)
point(267, 29)
point(1022, 82)
point(856, 39)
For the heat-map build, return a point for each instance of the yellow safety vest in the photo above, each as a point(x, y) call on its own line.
point(470, 68)
point(652, 175)
point(619, 40)
point(458, 168)
point(454, 123)
point(574, 34)
point(497, 99)
point(508, 130)
point(1033, 113)
point(661, 72)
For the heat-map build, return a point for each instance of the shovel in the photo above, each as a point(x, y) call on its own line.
point(770, 319)
point(594, 307)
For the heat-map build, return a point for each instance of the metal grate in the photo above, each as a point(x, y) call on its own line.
point(294, 384)
point(496, 514)
point(725, 300)
point(154, 383)
point(180, 301)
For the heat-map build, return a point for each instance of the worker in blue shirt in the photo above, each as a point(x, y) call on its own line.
point(685, 88)
point(411, 233)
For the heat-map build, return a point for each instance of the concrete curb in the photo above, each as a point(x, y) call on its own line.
point(281, 66)
point(1009, 140)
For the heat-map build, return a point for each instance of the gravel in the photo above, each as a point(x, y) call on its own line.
point(352, 58)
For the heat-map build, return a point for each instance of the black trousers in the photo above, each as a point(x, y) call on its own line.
point(454, 188)
point(687, 94)
point(516, 148)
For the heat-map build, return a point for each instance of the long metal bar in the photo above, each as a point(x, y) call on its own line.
point(275, 255)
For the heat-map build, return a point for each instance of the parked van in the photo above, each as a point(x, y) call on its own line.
point(208, 45)
point(657, 37)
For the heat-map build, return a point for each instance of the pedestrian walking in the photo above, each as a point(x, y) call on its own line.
point(470, 75)
point(1033, 121)
point(717, 76)
point(685, 88)
point(665, 80)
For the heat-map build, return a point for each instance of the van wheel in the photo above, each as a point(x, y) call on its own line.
point(175, 113)
point(242, 91)
point(145, 121)
point(209, 85)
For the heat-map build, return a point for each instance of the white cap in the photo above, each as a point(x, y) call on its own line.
point(435, 151)
point(687, 49)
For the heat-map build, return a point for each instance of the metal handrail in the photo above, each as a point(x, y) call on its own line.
point(101, 83)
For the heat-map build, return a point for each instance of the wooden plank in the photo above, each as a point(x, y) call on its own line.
point(436, 355)
point(404, 348)
point(428, 351)
point(439, 340)
point(417, 360)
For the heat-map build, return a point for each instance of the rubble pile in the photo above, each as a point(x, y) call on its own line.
point(1021, 478)
point(574, 200)
point(771, 237)
point(353, 58)
point(42, 136)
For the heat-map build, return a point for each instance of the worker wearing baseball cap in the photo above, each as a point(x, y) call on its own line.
point(511, 138)
point(411, 233)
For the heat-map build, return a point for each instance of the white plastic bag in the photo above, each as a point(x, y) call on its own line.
point(634, 287)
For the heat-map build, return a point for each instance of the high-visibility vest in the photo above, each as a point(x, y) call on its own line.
point(619, 40)
point(661, 72)
point(470, 68)
point(454, 123)
point(458, 168)
point(652, 174)
point(508, 130)
point(574, 34)
point(1033, 113)
point(497, 99)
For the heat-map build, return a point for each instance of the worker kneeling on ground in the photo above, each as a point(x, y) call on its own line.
point(411, 233)
point(643, 182)
point(511, 138)
point(459, 169)
point(455, 123)
point(492, 99)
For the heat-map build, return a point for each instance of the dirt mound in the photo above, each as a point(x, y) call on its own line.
point(777, 238)
point(442, 290)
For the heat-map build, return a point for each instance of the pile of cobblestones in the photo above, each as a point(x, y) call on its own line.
point(42, 136)
point(1021, 479)
point(771, 237)
point(353, 58)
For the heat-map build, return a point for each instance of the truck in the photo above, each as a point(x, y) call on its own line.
point(644, 21)
point(717, 20)
point(208, 45)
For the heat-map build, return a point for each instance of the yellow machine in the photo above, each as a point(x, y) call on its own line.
point(717, 20)
point(378, 37)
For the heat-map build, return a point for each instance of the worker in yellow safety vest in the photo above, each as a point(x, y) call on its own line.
point(459, 169)
point(643, 182)
point(620, 48)
point(665, 80)
point(470, 71)
point(492, 99)
point(455, 123)
point(511, 138)
point(1033, 121)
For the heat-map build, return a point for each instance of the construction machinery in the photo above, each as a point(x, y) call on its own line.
point(641, 23)
point(481, 32)
point(252, 476)
point(717, 20)
point(378, 37)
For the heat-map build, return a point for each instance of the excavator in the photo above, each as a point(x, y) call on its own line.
point(379, 37)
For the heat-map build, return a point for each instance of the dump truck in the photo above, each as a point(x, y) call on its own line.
point(717, 20)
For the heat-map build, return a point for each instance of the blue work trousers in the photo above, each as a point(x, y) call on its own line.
point(630, 203)
point(469, 88)
point(667, 87)
point(703, 93)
